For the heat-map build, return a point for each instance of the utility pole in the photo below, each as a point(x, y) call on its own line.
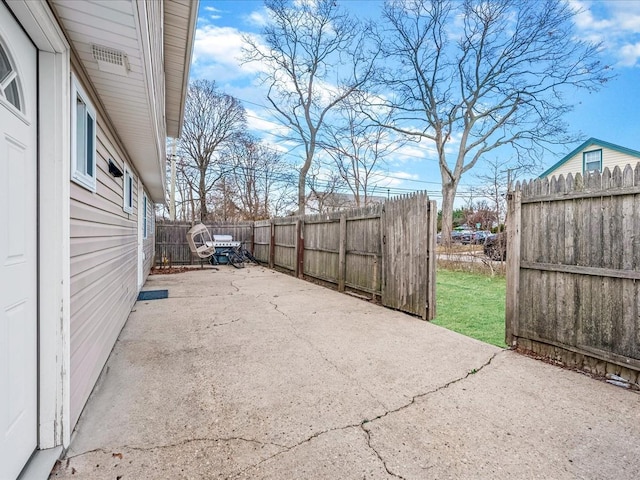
point(172, 200)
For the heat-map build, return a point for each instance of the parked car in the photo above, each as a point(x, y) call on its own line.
point(480, 236)
point(462, 236)
point(495, 246)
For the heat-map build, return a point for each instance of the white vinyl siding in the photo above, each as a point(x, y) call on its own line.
point(83, 137)
point(103, 267)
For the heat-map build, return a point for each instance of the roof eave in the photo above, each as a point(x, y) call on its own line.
point(177, 65)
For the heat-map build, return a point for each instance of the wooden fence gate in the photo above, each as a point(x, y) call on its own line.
point(409, 242)
point(573, 269)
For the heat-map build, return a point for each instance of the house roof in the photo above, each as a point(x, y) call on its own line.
point(144, 101)
point(591, 142)
point(179, 26)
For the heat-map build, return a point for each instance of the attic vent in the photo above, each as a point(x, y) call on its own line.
point(111, 60)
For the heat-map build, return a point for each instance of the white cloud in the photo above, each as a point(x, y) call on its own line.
point(217, 52)
point(630, 54)
point(258, 18)
point(258, 122)
point(213, 14)
point(615, 24)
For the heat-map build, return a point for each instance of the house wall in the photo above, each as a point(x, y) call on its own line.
point(103, 260)
point(610, 158)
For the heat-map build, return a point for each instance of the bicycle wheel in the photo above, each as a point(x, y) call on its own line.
point(236, 259)
point(248, 256)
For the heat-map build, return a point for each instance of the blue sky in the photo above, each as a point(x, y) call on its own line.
point(611, 114)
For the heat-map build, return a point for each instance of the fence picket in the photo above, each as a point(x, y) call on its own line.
point(576, 283)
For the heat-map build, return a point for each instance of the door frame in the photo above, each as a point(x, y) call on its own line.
point(53, 224)
point(141, 215)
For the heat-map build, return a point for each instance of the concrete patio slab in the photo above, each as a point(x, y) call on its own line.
point(254, 374)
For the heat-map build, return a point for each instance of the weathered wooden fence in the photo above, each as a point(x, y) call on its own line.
point(172, 246)
point(385, 250)
point(573, 269)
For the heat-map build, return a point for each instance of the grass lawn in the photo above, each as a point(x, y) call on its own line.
point(471, 304)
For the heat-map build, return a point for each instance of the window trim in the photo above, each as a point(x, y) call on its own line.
point(12, 77)
point(77, 175)
point(127, 194)
point(145, 216)
point(584, 160)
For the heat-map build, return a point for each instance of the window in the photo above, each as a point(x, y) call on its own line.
point(128, 191)
point(83, 138)
point(145, 216)
point(592, 161)
point(9, 89)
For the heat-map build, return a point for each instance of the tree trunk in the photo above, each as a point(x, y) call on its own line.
point(302, 179)
point(203, 198)
point(301, 191)
point(448, 196)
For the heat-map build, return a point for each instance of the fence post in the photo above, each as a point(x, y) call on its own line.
point(514, 224)
point(432, 226)
point(342, 253)
point(272, 244)
point(300, 242)
point(252, 238)
point(383, 251)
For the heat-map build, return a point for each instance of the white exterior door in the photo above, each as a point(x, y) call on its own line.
point(18, 246)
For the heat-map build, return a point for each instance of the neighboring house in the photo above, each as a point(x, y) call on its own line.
point(89, 91)
point(593, 155)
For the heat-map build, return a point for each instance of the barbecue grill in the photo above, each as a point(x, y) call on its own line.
point(221, 249)
point(224, 246)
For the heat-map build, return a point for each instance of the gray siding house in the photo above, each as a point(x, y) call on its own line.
point(89, 92)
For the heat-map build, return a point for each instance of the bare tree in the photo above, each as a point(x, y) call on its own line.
point(261, 179)
point(325, 191)
point(315, 58)
point(212, 121)
point(494, 185)
point(502, 82)
point(223, 198)
point(481, 215)
point(359, 149)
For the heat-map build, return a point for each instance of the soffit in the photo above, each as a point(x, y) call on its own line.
point(179, 27)
point(127, 99)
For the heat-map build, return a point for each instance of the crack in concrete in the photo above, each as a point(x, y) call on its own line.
point(288, 448)
point(441, 387)
point(362, 424)
point(118, 450)
point(412, 402)
point(372, 448)
point(293, 447)
point(214, 325)
point(232, 283)
point(321, 354)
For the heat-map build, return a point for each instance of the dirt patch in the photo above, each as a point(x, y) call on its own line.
point(169, 270)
